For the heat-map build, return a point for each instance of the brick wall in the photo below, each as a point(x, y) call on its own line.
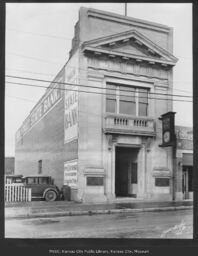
point(45, 141)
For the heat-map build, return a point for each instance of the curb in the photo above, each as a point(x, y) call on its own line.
point(96, 212)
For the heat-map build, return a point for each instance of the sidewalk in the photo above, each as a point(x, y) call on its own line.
point(41, 209)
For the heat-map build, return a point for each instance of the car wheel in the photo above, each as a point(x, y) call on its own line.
point(50, 195)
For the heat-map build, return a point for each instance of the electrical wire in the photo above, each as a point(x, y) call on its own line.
point(101, 93)
point(27, 57)
point(54, 75)
point(85, 70)
point(94, 87)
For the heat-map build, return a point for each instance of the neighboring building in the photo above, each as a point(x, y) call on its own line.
point(9, 165)
point(185, 161)
point(102, 139)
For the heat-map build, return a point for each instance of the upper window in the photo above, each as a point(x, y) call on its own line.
point(39, 166)
point(127, 100)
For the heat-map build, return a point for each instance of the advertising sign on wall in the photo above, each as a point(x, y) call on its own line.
point(70, 173)
point(52, 95)
point(71, 106)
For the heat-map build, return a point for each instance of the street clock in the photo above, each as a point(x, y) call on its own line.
point(166, 137)
point(168, 129)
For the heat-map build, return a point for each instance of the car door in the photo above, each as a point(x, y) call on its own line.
point(32, 182)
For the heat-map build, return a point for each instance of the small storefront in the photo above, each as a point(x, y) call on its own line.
point(187, 176)
point(185, 160)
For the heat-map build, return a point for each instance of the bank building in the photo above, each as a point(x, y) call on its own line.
point(96, 129)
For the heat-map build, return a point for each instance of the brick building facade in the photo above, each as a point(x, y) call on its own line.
point(100, 132)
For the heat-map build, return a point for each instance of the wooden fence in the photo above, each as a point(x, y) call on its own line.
point(17, 193)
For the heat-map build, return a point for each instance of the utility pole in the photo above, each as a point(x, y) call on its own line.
point(125, 5)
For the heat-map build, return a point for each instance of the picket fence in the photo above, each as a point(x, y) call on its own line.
point(17, 193)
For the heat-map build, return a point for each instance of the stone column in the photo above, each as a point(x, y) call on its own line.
point(142, 170)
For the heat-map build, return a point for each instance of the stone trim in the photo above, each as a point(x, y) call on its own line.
point(129, 56)
point(127, 35)
point(94, 172)
point(127, 20)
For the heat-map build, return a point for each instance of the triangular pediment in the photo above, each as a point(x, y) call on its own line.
point(131, 44)
point(132, 47)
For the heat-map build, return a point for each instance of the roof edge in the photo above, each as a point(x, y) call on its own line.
point(126, 19)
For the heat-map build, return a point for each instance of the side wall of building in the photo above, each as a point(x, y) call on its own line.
point(40, 147)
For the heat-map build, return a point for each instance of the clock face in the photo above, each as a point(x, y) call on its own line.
point(166, 136)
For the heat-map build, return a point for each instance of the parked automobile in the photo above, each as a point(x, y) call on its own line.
point(13, 178)
point(42, 187)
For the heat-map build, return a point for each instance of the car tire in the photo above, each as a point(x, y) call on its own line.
point(50, 195)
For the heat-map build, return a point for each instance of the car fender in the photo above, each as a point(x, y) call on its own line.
point(47, 189)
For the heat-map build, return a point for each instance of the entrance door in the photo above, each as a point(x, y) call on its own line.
point(121, 182)
point(187, 181)
point(126, 172)
point(133, 181)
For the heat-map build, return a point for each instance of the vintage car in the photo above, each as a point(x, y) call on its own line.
point(42, 186)
point(13, 178)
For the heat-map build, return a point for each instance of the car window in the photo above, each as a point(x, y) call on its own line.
point(43, 180)
point(32, 180)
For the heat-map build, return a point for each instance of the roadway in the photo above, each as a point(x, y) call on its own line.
point(165, 224)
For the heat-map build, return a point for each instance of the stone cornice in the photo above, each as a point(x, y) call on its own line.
point(137, 77)
point(127, 132)
point(126, 56)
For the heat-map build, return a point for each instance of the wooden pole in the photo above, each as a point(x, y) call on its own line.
point(174, 172)
point(125, 9)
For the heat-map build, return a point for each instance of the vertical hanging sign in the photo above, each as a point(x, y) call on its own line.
point(71, 104)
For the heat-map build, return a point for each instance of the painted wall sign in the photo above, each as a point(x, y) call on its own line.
point(184, 133)
point(70, 173)
point(51, 97)
point(71, 106)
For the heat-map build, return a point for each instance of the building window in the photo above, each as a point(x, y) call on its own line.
point(127, 100)
point(39, 166)
point(111, 98)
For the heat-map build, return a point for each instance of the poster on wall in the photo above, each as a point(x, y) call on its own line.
point(71, 106)
point(70, 173)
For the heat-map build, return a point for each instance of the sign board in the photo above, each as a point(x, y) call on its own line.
point(52, 95)
point(71, 173)
point(71, 106)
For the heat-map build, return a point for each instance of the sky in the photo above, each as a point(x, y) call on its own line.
point(38, 41)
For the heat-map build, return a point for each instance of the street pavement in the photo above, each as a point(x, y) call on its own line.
point(36, 209)
point(160, 225)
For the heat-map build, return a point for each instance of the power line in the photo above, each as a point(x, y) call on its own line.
point(84, 112)
point(31, 72)
point(49, 74)
point(27, 57)
point(95, 87)
point(19, 98)
point(44, 35)
point(69, 66)
point(101, 93)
